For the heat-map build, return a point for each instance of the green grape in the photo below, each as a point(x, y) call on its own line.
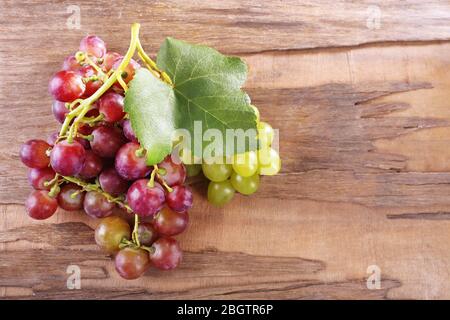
point(246, 164)
point(255, 109)
point(265, 134)
point(193, 169)
point(217, 172)
point(245, 185)
point(220, 193)
point(269, 162)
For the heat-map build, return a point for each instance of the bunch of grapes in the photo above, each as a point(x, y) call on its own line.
point(95, 163)
point(242, 172)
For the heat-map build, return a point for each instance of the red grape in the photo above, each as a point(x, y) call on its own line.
point(128, 131)
point(129, 165)
point(93, 112)
point(110, 232)
point(106, 141)
point(128, 72)
point(144, 200)
point(174, 173)
point(92, 166)
point(112, 183)
point(86, 129)
point(131, 263)
point(33, 154)
point(65, 199)
point(59, 110)
point(52, 138)
point(108, 60)
point(39, 205)
point(96, 205)
point(167, 254)
point(180, 199)
point(111, 106)
point(91, 85)
point(146, 233)
point(71, 64)
point(93, 45)
point(170, 223)
point(67, 158)
point(37, 177)
point(66, 86)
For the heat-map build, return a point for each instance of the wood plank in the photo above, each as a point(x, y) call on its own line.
point(231, 26)
point(363, 138)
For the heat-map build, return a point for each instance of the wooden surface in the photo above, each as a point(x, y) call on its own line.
point(364, 119)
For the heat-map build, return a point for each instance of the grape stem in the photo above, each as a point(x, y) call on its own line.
point(127, 243)
point(79, 112)
point(135, 235)
point(157, 172)
point(95, 187)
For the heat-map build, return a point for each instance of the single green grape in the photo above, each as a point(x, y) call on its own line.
point(255, 109)
point(265, 134)
point(269, 162)
point(193, 169)
point(245, 185)
point(220, 193)
point(246, 164)
point(217, 172)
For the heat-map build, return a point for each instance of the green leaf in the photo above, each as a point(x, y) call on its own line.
point(150, 105)
point(206, 88)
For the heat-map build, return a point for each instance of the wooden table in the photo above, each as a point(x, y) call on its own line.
point(361, 94)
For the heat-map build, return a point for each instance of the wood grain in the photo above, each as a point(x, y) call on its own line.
point(363, 117)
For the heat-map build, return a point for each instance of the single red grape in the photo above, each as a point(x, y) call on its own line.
point(93, 45)
point(71, 64)
point(37, 177)
point(39, 205)
point(170, 223)
point(67, 158)
point(92, 84)
point(92, 166)
point(146, 233)
point(59, 110)
point(69, 202)
point(33, 154)
point(108, 60)
point(85, 129)
point(145, 201)
point(167, 254)
point(110, 232)
point(128, 131)
point(93, 112)
point(112, 183)
point(96, 205)
point(180, 199)
point(66, 86)
point(128, 72)
point(131, 263)
point(129, 165)
point(51, 139)
point(107, 141)
point(174, 173)
point(111, 106)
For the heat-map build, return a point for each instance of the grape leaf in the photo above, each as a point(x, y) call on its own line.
point(206, 88)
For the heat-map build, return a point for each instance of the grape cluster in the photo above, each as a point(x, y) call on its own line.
point(242, 172)
point(95, 163)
